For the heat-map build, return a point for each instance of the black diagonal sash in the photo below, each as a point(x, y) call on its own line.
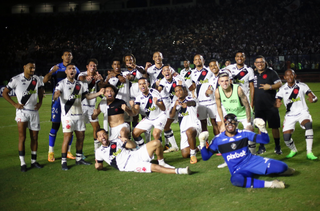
point(187, 74)
point(182, 110)
point(293, 95)
point(202, 76)
point(241, 74)
point(174, 84)
point(70, 102)
point(113, 150)
point(148, 106)
point(30, 90)
point(159, 77)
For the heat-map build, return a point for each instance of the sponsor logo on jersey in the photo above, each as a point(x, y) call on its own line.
point(236, 155)
point(231, 139)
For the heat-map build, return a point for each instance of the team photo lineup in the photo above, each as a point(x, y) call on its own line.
point(139, 104)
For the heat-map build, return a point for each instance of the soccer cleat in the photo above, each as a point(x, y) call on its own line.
point(70, 156)
point(218, 154)
point(261, 150)
point(311, 156)
point(277, 184)
point(64, 166)
point(193, 159)
point(183, 170)
point(51, 157)
point(291, 154)
point(222, 165)
point(82, 162)
point(166, 147)
point(277, 150)
point(171, 149)
point(36, 165)
point(288, 172)
point(23, 168)
point(166, 166)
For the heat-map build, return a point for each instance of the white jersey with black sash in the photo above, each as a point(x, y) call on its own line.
point(26, 90)
point(294, 97)
point(71, 97)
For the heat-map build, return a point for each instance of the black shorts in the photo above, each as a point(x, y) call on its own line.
point(271, 116)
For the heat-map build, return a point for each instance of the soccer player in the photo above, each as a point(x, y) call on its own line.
point(57, 72)
point(133, 73)
point(293, 95)
point(71, 93)
point(91, 78)
point(28, 88)
point(113, 110)
point(266, 82)
point(186, 71)
point(190, 126)
point(243, 75)
point(150, 103)
point(243, 165)
point(155, 71)
point(166, 89)
point(118, 154)
point(200, 79)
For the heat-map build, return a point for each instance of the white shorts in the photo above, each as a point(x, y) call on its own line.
point(32, 117)
point(70, 125)
point(87, 112)
point(290, 121)
point(205, 111)
point(139, 161)
point(184, 139)
point(147, 124)
point(114, 132)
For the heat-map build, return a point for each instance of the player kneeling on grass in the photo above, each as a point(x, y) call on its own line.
point(293, 97)
point(118, 154)
point(243, 166)
point(190, 125)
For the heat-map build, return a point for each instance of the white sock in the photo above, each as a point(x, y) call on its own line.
point(309, 139)
point(96, 144)
point(22, 160)
point(267, 184)
point(173, 142)
point(161, 162)
point(147, 136)
point(51, 149)
point(33, 154)
point(192, 152)
point(78, 156)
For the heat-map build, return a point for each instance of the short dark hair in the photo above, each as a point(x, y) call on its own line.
point(213, 60)
point(112, 87)
point(70, 64)
point(101, 129)
point(240, 51)
point(116, 59)
point(260, 57)
point(183, 87)
point(92, 60)
point(66, 50)
point(29, 60)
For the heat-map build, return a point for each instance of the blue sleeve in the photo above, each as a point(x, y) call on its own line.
point(207, 153)
point(263, 138)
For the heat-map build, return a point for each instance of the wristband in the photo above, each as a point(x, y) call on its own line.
point(270, 87)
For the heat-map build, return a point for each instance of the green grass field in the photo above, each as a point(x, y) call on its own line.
point(208, 188)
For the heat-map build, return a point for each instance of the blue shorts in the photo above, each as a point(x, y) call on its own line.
point(256, 165)
point(56, 111)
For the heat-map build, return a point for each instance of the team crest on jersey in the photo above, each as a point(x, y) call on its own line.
point(34, 83)
point(296, 91)
point(242, 73)
point(264, 76)
point(233, 146)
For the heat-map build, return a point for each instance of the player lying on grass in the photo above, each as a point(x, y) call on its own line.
point(243, 166)
point(118, 154)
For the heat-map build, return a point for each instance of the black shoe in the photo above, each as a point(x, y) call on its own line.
point(82, 162)
point(261, 150)
point(24, 168)
point(37, 165)
point(64, 166)
point(277, 150)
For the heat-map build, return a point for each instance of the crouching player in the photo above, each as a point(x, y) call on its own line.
point(190, 125)
point(118, 154)
point(243, 166)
